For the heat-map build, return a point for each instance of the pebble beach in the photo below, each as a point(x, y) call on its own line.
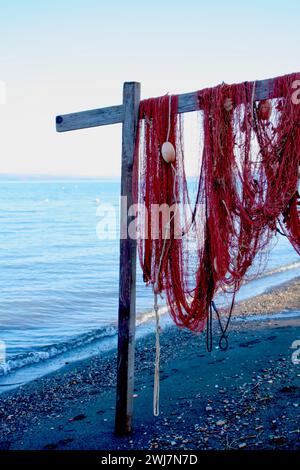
point(247, 397)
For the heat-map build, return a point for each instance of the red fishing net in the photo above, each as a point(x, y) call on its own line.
point(247, 192)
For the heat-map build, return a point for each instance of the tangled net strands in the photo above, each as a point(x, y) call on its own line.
point(247, 192)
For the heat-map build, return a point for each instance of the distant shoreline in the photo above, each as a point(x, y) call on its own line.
point(58, 177)
point(47, 177)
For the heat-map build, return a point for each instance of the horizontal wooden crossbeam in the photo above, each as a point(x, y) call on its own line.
point(187, 102)
point(91, 118)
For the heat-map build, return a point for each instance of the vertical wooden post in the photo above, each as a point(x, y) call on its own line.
point(126, 327)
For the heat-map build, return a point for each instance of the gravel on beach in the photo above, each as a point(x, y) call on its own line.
point(247, 397)
point(285, 297)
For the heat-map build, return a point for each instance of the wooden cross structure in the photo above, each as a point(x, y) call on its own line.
point(127, 115)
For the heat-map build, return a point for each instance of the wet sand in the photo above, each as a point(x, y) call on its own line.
point(247, 397)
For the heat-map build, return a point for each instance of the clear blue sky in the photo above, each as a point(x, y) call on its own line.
point(70, 55)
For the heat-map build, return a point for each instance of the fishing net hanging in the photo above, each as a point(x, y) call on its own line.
point(247, 191)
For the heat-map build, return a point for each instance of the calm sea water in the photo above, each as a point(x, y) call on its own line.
point(58, 280)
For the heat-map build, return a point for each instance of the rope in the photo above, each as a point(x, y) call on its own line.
point(157, 360)
point(280, 232)
point(156, 310)
point(223, 341)
point(155, 288)
point(209, 341)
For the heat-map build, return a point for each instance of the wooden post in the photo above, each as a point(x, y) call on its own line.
point(127, 280)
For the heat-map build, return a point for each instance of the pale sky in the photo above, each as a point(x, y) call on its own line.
point(63, 56)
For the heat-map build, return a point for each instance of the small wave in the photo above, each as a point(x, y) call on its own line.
point(279, 269)
point(285, 315)
point(54, 350)
point(149, 315)
point(272, 272)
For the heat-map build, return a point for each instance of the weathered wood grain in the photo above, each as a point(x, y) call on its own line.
point(127, 279)
point(92, 118)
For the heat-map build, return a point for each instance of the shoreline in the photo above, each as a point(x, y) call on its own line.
point(282, 298)
point(246, 397)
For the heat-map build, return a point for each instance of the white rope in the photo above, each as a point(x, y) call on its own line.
point(155, 288)
point(157, 360)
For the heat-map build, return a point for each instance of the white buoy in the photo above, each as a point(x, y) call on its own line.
point(168, 152)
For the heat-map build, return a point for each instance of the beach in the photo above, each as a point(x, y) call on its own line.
point(247, 397)
point(285, 297)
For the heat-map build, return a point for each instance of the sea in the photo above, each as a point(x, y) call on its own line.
point(59, 269)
